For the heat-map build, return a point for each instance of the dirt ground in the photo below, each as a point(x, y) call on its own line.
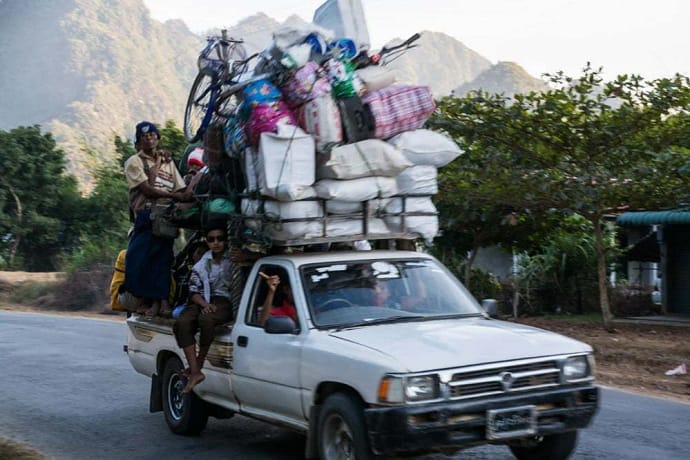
point(635, 357)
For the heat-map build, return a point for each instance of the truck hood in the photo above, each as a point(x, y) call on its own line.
point(442, 344)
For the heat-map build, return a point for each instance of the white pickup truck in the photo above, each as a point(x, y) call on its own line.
point(389, 355)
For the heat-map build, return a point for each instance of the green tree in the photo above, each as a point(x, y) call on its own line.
point(584, 147)
point(39, 201)
point(105, 212)
point(173, 140)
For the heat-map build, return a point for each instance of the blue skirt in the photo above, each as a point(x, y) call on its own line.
point(148, 262)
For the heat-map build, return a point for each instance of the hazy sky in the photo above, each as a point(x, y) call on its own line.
point(650, 38)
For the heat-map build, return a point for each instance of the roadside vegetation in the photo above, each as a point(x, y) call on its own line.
point(15, 451)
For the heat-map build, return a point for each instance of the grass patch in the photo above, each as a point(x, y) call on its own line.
point(27, 292)
point(15, 451)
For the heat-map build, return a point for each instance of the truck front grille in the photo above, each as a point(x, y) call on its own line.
point(506, 378)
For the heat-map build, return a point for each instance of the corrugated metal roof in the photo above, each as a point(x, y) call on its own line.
point(672, 216)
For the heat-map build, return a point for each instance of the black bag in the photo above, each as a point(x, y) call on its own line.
point(357, 119)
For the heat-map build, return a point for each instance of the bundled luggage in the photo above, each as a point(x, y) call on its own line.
point(335, 148)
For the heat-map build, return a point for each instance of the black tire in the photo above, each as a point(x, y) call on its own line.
point(185, 414)
point(200, 106)
point(342, 430)
point(551, 447)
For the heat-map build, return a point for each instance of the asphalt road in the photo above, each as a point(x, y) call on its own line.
point(67, 389)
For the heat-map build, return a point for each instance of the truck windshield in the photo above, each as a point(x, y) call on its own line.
point(358, 293)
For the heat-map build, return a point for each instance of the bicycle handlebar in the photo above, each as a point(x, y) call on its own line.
point(406, 44)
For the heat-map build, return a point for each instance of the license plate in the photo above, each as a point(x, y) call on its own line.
point(511, 423)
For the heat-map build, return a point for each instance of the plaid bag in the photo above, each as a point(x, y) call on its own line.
point(397, 109)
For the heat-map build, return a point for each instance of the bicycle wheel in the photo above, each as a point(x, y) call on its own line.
point(199, 110)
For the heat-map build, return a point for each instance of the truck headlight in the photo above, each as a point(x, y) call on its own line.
point(575, 368)
point(397, 389)
point(420, 388)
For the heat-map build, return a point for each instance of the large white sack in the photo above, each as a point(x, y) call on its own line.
point(284, 192)
point(286, 164)
point(349, 227)
point(339, 207)
point(274, 211)
point(371, 157)
point(293, 34)
point(320, 117)
point(426, 147)
point(375, 77)
point(251, 176)
point(418, 180)
point(363, 189)
point(426, 225)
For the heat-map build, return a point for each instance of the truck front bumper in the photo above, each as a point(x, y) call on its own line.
point(456, 424)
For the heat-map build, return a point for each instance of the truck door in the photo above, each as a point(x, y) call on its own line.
point(266, 367)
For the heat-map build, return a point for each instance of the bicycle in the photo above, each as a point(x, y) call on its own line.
point(220, 62)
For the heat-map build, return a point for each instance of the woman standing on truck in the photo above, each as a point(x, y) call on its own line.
point(152, 179)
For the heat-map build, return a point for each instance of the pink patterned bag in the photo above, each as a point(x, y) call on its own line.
point(266, 118)
point(305, 85)
point(397, 109)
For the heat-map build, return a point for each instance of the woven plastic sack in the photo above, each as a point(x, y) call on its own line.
point(425, 223)
point(426, 147)
point(371, 157)
point(321, 118)
point(365, 188)
point(418, 180)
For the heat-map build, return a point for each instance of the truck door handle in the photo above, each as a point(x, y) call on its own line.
point(242, 341)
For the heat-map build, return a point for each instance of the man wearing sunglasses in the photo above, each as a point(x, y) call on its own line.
point(209, 306)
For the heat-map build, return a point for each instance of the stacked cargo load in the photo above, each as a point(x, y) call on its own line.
point(335, 150)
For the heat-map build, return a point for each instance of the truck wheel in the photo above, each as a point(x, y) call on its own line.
point(184, 413)
point(550, 447)
point(342, 430)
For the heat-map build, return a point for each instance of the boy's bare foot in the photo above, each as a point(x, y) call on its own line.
point(192, 381)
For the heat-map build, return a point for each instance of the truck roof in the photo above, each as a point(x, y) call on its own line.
point(306, 258)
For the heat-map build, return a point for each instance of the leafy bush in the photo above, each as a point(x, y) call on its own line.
point(562, 277)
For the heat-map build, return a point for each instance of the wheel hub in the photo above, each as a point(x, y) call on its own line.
point(176, 397)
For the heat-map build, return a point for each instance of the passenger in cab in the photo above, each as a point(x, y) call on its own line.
point(209, 306)
point(287, 306)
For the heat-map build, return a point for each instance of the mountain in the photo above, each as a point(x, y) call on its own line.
point(87, 70)
point(439, 61)
point(505, 77)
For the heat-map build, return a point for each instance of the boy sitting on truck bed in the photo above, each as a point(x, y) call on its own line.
point(210, 305)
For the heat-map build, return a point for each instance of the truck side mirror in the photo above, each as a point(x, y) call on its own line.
point(490, 306)
point(280, 325)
